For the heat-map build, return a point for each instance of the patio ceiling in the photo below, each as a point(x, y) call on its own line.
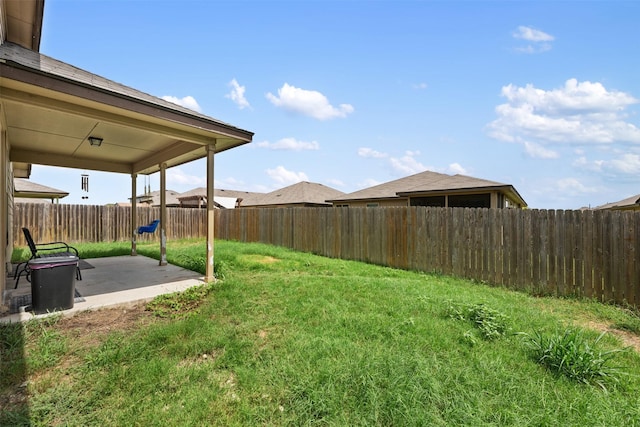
point(51, 108)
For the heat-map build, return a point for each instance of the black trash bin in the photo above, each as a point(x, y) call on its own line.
point(53, 283)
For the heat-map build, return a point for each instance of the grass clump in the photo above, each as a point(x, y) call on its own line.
point(571, 354)
point(490, 323)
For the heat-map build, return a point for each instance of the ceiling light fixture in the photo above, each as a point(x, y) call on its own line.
point(94, 141)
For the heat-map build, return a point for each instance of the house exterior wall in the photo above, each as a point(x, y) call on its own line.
point(6, 195)
point(384, 203)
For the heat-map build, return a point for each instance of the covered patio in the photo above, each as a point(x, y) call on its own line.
point(52, 113)
point(109, 282)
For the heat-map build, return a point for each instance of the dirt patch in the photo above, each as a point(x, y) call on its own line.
point(629, 339)
point(85, 329)
point(90, 327)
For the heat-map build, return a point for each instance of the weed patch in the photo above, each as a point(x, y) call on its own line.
point(179, 305)
point(572, 355)
point(489, 322)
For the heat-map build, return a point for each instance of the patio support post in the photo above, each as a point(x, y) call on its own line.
point(209, 274)
point(163, 214)
point(134, 213)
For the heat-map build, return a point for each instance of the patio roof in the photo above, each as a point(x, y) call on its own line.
point(51, 108)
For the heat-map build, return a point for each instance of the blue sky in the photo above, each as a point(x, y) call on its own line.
point(541, 95)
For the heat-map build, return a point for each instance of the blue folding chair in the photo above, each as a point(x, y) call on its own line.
point(149, 228)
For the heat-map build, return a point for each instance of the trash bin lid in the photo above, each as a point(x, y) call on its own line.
point(54, 261)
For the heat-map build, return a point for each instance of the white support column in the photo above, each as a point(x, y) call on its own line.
point(134, 213)
point(209, 274)
point(163, 214)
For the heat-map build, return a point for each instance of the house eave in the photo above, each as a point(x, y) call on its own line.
point(506, 189)
point(10, 70)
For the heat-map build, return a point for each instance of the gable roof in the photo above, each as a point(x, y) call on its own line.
point(301, 193)
point(632, 202)
point(428, 182)
point(29, 189)
point(220, 195)
point(153, 198)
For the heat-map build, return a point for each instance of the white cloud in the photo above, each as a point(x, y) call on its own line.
point(573, 187)
point(420, 86)
point(539, 40)
point(456, 168)
point(285, 177)
point(574, 98)
point(580, 113)
point(627, 164)
point(624, 167)
point(187, 102)
point(371, 153)
point(179, 177)
point(289, 144)
point(237, 95)
point(569, 192)
point(531, 49)
point(407, 164)
point(591, 166)
point(532, 35)
point(308, 102)
point(538, 151)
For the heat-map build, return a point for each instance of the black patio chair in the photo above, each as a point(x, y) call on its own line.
point(43, 250)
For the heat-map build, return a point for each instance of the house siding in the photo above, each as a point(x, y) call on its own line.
point(6, 209)
point(384, 203)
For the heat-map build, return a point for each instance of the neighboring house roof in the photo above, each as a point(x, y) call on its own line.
point(225, 202)
point(153, 198)
point(23, 188)
point(221, 196)
point(303, 193)
point(428, 182)
point(632, 202)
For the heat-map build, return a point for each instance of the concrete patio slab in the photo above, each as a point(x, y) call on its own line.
point(117, 281)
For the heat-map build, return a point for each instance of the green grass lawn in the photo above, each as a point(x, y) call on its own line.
point(288, 338)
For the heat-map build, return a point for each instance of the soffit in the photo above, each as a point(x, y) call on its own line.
point(24, 22)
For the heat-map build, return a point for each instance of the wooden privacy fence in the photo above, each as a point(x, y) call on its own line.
point(545, 252)
point(86, 223)
point(592, 254)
